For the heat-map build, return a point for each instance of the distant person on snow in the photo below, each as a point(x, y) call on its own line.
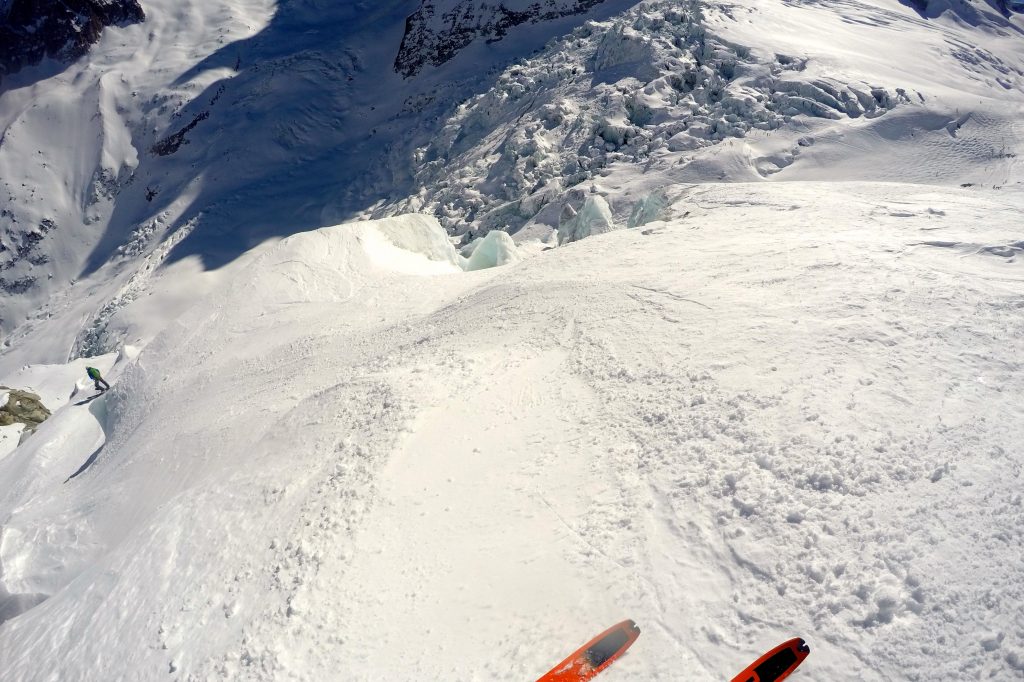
point(94, 374)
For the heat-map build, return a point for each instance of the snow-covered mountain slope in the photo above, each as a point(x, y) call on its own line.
point(789, 408)
point(71, 148)
point(212, 127)
point(226, 123)
point(31, 30)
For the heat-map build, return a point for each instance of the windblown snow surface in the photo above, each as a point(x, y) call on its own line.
point(735, 354)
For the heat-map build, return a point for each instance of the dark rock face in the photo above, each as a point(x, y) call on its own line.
point(60, 29)
point(432, 38)
point(169, 145)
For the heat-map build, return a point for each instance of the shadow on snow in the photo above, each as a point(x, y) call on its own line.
point(314, 127)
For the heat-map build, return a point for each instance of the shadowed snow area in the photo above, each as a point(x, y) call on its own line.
point(218, 124)
point(781, 409)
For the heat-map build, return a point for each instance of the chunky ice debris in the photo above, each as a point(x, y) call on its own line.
point(417, 244)
point(658, 85)
point(648, 209)
point(594, 217)
point(496, 248)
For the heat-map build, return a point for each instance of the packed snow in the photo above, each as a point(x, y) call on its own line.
point(704, 314)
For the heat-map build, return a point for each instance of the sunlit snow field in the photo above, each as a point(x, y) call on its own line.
point(794, 411)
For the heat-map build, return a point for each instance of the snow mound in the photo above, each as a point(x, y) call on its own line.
point(414, 244)
point(334, 263)
point(40, 552)
point(409, 244)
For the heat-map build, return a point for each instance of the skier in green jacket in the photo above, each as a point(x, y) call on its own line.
point(94, 374)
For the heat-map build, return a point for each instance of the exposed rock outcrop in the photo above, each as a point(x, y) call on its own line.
point(23, 407)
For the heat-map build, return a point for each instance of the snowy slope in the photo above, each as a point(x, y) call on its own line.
point(72, 147)
point(435, 35)
point(794, 410)
point(218, 124)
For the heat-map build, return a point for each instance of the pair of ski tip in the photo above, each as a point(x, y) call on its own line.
point(600, 652)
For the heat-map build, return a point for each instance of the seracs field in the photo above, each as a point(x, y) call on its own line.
point(444, 335)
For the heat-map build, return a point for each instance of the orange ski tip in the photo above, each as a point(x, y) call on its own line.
point(596, 655)
point(776, 664)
